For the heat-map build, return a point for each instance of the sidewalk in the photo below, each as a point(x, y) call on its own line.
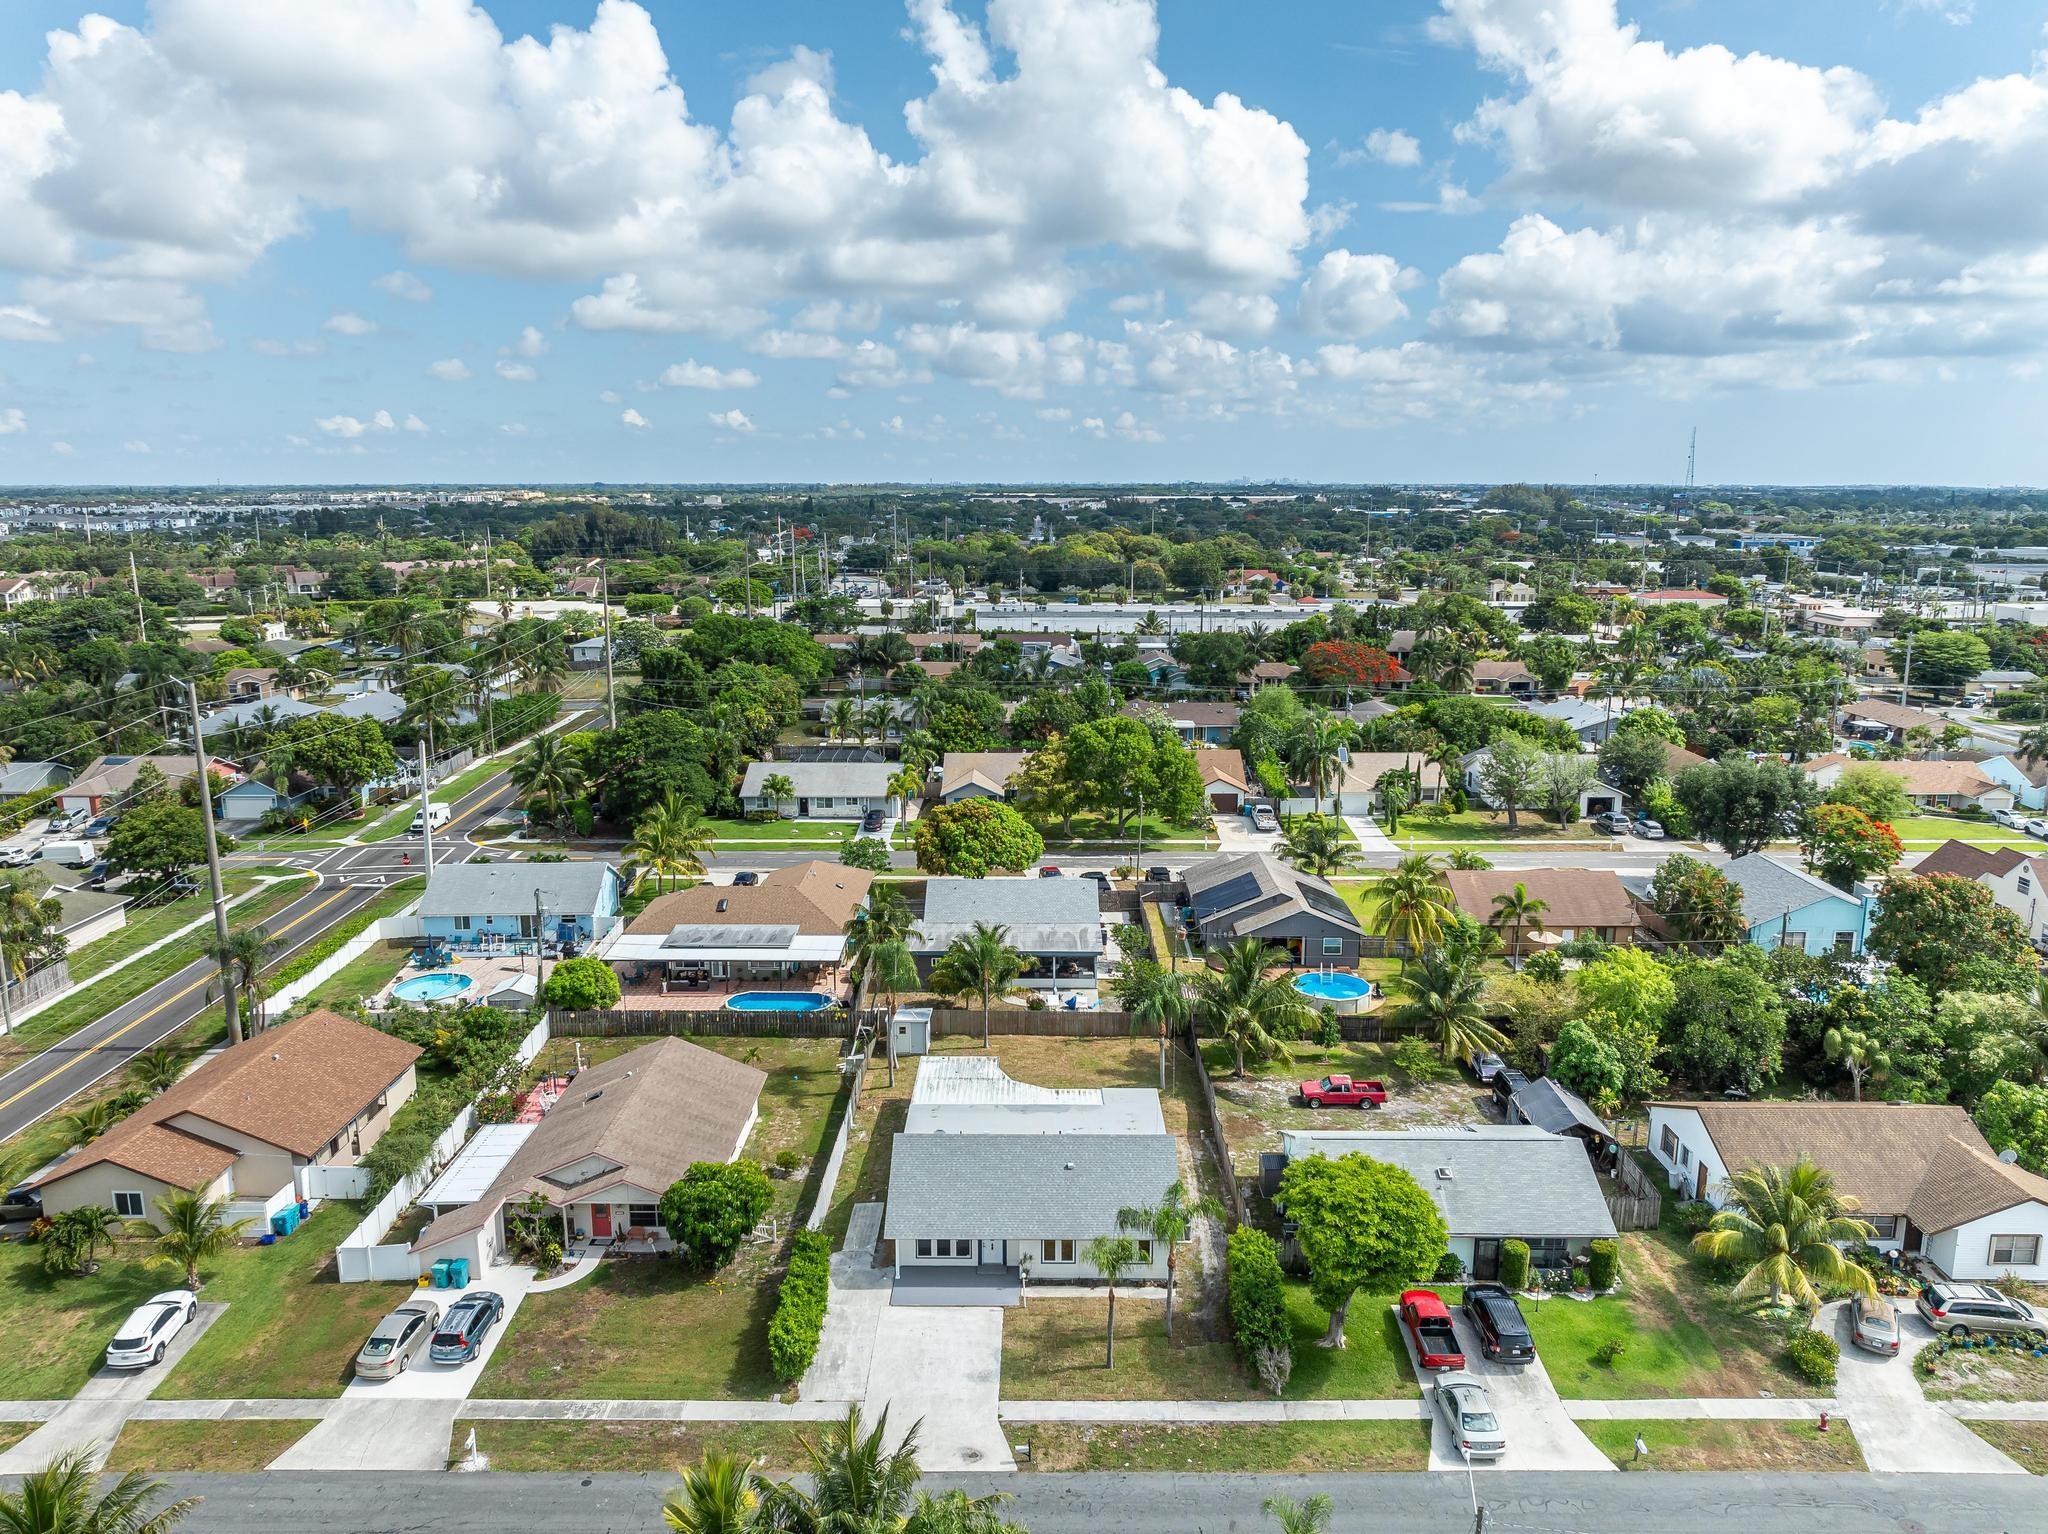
point(93, 1419)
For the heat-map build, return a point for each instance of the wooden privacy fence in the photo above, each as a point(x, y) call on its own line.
point(1022, 1022)
point(1212, 1131)
point(638, 1021)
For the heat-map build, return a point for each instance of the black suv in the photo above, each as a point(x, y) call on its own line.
point(1503, 1334)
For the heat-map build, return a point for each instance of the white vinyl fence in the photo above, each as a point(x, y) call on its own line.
point(360, 1258)
point(406, 924)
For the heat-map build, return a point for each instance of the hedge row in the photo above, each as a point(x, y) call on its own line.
point(1258, 1306)
point(800, 1311)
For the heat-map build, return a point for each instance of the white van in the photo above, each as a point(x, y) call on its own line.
point(72, 854)
point(435, 815)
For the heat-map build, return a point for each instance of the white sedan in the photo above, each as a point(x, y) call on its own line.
point(150, 1327)
point(1467, 1411)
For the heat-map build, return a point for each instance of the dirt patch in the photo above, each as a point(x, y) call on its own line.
point(1255, 1109)
point(1986, 1374)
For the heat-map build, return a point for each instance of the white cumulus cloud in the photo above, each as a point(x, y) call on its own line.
point(697, 375)
point(517, 372)
point(633, 418)
point(730, 420)
point(448, 370)
point(403, 285)
point(346, 322)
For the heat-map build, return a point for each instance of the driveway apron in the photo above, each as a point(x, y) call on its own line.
point(1898, 1428)
point(93, 1419)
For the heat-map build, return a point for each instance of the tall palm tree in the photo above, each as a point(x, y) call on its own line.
point(1316, 844)
point(65, 1498)
point(979, 963)
point(778, 787)
point(240, 961)
point(1785, 1222)
point(673, 838)
point(722, 1495)
point(82, 1126)
point(1441, 1000)
point(548, 775)
point(1156, 998)
point(905, 784)
point(1168, 1222)
point(842, 720)
point(1414, 904)
point(1251, 1011)
point(1309, 1517)
point(191, 1229)
point(1315, 751)
point(1111, 1256)
point(1519, 909)
point(544, 663)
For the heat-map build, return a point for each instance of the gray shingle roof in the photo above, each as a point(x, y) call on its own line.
point(1506, 1180)
point(1042, 915)
point(502, 889)
point(1555, 1109)
point(832, 780)
point(1771, 890)
point(1030, 1186)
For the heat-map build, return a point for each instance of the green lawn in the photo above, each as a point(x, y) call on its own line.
point(641, 1447)
point(1485, 826)
point(806, 833)
point(388, 902)
point(2025, 1442)
point(1101, 830)
point(1714, 1444)
point(290, 1329)
point(234, 1445)
point(151, 924)
point(362, 976)
point(57, 1328)
point(1292, 1447)
point(1926, 832)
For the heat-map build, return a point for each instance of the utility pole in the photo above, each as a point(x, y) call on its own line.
point(611, 701)
point(1906, 676)
point(6, 1006)
point(539, 963)
point(426, 803)
point(220, 904)
point(135, 585)
point(487, 561)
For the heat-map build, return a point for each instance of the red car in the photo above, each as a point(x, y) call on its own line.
point(1429, 1326)
point(1344, 1092)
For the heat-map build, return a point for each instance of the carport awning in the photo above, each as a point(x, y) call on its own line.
point(476, 1166)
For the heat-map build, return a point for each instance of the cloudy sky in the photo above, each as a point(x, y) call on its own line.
point(377, 240)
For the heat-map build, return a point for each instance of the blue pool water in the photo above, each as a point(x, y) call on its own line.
point(778, 1001)
point(430, 987)
point(1332, 986)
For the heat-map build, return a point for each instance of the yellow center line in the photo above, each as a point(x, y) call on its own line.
point(167, 1001)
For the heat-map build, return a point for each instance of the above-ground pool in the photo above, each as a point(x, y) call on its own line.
point(431, 988)
point(779, 1001)
point(1337, 989)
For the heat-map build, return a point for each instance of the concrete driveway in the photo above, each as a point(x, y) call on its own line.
point(93, 1419)
point(1540, 1432)
point(1898, 1428)
point(425, 1380)
point(392, 1434)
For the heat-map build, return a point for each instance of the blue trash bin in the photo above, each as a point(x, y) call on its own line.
point(441, 1273)
point(458, 1272)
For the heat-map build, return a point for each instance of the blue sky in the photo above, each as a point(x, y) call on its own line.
point(1040, 239)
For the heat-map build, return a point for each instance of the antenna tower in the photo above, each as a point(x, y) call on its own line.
point(1691, 452)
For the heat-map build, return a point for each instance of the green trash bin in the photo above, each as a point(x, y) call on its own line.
point(441, 1274)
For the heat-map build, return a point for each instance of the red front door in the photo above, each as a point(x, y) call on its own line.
point(601, 1220)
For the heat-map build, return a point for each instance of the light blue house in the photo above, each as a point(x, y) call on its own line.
point(249, 801)
point(478, 904)
point(1789, 908)
point(2027, 780)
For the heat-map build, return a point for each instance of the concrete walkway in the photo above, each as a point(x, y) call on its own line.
point(1214, 1411)
point(1898, 1428)
point(1372, 841)
point(93, 1419)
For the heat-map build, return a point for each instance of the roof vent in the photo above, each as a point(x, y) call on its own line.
point(1070, 1166)
point(1445, 1174)
point(724, 905)
point(2009, 1155)
point(274, 1055)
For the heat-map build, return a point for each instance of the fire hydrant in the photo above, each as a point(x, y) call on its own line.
point(1823, 1422)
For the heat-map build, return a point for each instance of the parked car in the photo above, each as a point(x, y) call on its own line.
point(1428, 1321)
point(67, 820)
point(1614, 823)
point(1485, 1065)
point(1098, 876)
point(72, 852)
point(1344, 1092)
point(98, 877)
point(1159, 875)
point(17, 857)
point(1960, 1309)
point(872, 822)
point(1873, 1324)
point(2008, 817)
point(746, 876)
point(395, 1340)
point(1503, 1334)
point(1649, 830)
point(1467, 1410)
point(99, 826)
point(1051, 871)
point(462, 1331)
point(150, 1326)
point(20, 1204)
point(2036, 827)
point(1263, 820)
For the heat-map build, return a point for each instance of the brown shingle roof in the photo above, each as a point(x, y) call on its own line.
point(1577, 897)
point(1965, 861)
point(992, 769)
point(295, 1086)
point(1880, 1153)
point(1223, 764)
point(1895, 716)
point(816, 897)
point(1966, 1183)
point(1965, 779)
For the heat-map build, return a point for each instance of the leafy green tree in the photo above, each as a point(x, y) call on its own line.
point(1987, 1037)
point(160, 838)
point(1251, 1011)
point(1698, 902)
point(341, 754)
point(1788, 1225)
point(1740, 804)
point(1511, 777)
point(1877, 791)
point(1362, 1224)
point(65, 1497)
point(1727, 1025)
point(1115, 762)
point(1632, 760)
point(2014, 1117)
point(1587, 1063)
point(1948, 658)
point(1169, 1223)
point(979, 963)
point(1563, 778)
point(974, 838)
point(1949, 933)
point(582, 985)
point(869, 852)
point(1858, 1054)
point(714, 1205)
point(192, 1229)
point(1842, 845)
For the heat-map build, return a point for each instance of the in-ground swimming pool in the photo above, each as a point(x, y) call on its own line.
point(779, 1001)
point(431, 988)
point(1340, 991)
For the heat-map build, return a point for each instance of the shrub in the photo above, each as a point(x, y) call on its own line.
point(1258, 1307)
point(1545, 966)
point(1449, 1269)
point(582, 985)
point(1694, 1216)
point(800, 1310)
point(710, 1211)
point(1603, 1263)
point(1416, 1058)
point(789, 1158)
point(1609, 1352)
point(1329, 1032)
point(1514, 1263)
point(1812, 1356)
point(869, 852)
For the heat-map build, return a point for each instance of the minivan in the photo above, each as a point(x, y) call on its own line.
point(435, 815)
point(1960, 1309)
point(1614, 823)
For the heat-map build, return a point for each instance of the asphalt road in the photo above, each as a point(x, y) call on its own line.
point(1516, 1503)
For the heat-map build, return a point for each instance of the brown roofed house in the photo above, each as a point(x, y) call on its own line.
point(317, 1091)
point(815, 897)
point(977, 775)
point(1579, 902)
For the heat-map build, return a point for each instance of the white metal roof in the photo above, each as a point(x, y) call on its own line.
point(476, 1166)
point(658, 947)
point(971, 1094)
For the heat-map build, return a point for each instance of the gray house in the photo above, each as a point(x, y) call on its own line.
point(1253, 894)
point(1056, 924)
point(819, 790)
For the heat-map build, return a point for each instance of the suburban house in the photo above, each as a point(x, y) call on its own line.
point(20, 779)
point(1197, 724)
point(978, 775)
point(1947, 785)
point(587, 654)
point(1877, 719)
point(819, 790)
point(1225, 784)
point(1491, 1182)
point(1596, 798)
point(1253, 894)
point(1056, 924)
point(1680, 596)
point(1578, 902)
point(1787, 907)
point(2013, 876)
point(317, 1091)
point(1921, 1173)
point(1355, 791)
point(301, 583)
point(107, 780)
point(993, 1180)
point(789, 930)
point(2028, 780)
point(251, 799)
point(621, 1135)
point(1503, 678)
point(1591, 722)
point(489, 904)
point(244, 683)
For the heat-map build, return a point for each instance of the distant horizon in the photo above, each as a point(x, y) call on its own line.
point(1699, 490)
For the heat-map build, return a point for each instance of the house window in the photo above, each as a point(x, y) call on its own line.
point(2011, 1251)
point(1667, 1143)
point(1685, 1155)
point(946, 1246)
point(648, 1215)
point(1845, 942)
point(1884, 1227)
point(129, 1206)
point(1145, 1253)
point(462, 924)
point(1333, 945)
point(2026, 885)
point(1055, 1251)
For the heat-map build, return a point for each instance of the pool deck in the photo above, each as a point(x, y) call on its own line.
point(648, 996)
point(485, 974)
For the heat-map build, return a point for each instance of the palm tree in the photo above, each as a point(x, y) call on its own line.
point(672, 838)
point(156, 1070)
point(65, 1498)
point(859, 1485)
point(84, 1125)
point(72, 1243)
point(192, 1228)
point(1468, 861)
point(905, 784)
point(1414, 904)
point(1251, 1011)
point(721, 1495)
point(1316, 844)
point(777, 787)
point(240, 960)
point(1315, 752)
point(1784, 1222)
point(1519, 909)
point(1156, 998)
point(1168, 1222)
point(1111, 1256)
point(877, 719)
point(1309, 1517)
point(980, 963)
point(1441, 999)
point(548, 774)
point(544, 663)
point(843, 719)
point(2033, 745)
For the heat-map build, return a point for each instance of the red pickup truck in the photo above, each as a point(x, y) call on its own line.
point(1429, 1326)
point(1344, 1092)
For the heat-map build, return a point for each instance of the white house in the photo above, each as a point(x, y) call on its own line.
point(2027, 780)
point(819, 790)
point(1921, 1174)
point(2014, 876)
point(1930, 785)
